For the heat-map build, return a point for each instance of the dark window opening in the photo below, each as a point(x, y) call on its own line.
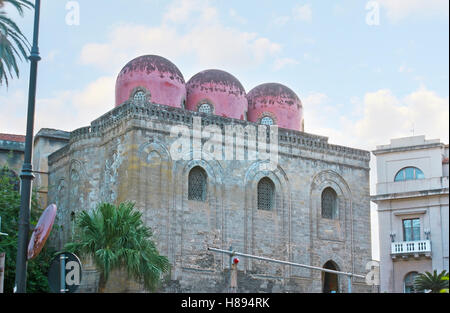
point(197, 184)
point(329, 204)
point(266, 194)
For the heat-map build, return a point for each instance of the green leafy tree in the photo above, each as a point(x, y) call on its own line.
point(433, 282)
point(37, 268)
point(13, 43)
point(116, 238)
point(445, 290)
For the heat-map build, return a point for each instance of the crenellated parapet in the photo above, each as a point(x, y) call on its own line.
point(132, 110)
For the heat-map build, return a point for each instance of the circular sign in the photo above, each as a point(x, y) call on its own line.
point(41, 231)
point(65, 273)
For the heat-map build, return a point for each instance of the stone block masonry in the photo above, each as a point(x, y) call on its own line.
point(125, 156)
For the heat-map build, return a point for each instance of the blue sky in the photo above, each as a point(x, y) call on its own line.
point(360, 84)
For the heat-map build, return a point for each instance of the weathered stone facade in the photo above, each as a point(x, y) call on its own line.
point(125, 156)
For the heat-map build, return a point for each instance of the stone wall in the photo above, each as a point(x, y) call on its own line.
point(125, 155)
point(12, 154)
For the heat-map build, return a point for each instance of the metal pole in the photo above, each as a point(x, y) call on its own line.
point(285, 262)
point(2, 269)
point(62, 272)
point(349, 275)
point(231, 257)
point(26, 174)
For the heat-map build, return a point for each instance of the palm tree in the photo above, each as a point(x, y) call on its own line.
point(445, 290)
point(433, 282)
point(13, 43)
point(117, 238)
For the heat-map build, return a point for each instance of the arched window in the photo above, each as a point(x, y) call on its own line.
point(409, 282)
point(266, 194)
point(330, 281)
point(409, 173)
point(329, 204)
point(205, 108)
point(197, 184)
point(267, 121)
point(140, 96)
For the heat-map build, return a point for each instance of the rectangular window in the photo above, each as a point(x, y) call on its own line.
point(411, 229)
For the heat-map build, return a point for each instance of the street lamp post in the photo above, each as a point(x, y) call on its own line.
point(26, 174)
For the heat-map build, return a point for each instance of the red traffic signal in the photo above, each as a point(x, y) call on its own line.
point(235, 260)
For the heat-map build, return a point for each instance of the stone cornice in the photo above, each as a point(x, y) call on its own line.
point(130, 110)
point(408, 195)
point(408, 148)
point(12, 145)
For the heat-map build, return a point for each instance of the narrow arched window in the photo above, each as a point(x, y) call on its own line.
point(330, 281)
point(197, 184)
point(409, 282)
point(329, 204)
point(140, 96)
point(205, 108)
point(267, 121)
point(266, 194)
point(409, 173)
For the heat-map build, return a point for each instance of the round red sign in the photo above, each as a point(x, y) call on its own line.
point(41, 231)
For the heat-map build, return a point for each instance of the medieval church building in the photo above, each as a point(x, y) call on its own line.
point(309, 206)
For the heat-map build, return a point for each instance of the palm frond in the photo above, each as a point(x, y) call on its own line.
point(116, 238)
point(13, 43)
point(433, 282)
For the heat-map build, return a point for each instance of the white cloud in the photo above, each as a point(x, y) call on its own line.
point(13, 107)
point(72, 109)
point(405, 69)
point(280, 20)
point(237, 17)
point(386, 117)
point(399, 9)
point(379, 117)
point(283, 62)
point(189, 29)
point(186, 11)
point(322, 117)
point(302, 13)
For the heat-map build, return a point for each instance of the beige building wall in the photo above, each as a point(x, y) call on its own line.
point(46, 141)
point(423, 199)
point(126, 155)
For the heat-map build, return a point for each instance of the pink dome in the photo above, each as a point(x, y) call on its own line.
point(153, 77)
point(216, 92)
point(275, 104)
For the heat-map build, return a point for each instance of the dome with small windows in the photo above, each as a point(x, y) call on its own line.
point(216, 92)
point(275, 104)
point(151, 78)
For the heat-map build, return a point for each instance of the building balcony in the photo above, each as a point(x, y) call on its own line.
point(406, 249)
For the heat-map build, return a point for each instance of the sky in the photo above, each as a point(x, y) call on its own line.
point(366, 71)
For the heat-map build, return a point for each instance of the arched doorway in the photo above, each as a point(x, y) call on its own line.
point(330, 281)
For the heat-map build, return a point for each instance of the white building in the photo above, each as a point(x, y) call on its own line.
point(412, 198)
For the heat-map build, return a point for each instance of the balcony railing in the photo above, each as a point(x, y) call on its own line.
point(411, 248)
